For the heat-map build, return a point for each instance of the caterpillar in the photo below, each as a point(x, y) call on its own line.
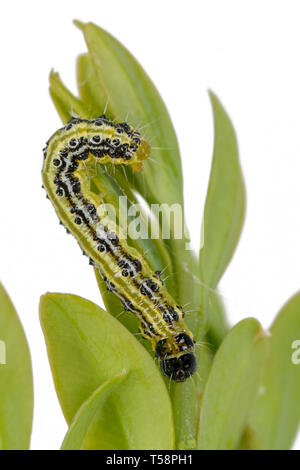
point(69, 156)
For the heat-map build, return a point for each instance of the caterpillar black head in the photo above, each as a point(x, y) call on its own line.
point(179, 368)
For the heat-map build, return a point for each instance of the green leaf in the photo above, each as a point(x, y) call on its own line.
point(86, 348)
point(110, 419)
point(90, 91)
point(225, 202)
point(275, 416)
point(130, 92)
point(218, 323)
point(223, 213)
point(16, 386)
point(232, 386)
point(67, 105)
point(98, 408)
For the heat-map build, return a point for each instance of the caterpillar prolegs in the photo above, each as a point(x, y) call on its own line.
point(71, 153)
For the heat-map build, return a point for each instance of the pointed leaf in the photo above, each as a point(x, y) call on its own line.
point(232, 385)
point(67, 105)
point(224, 208)
point(16, 387)
point(131, 93)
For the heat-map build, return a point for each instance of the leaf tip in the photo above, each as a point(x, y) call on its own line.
point(211, 94)
point(53, 76)
point(79, 24)
point(44, 300)
point(215, 101)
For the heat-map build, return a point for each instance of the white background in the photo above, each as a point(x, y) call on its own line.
point(247, 53)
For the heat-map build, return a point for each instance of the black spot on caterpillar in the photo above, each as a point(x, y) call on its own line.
point(68, 156)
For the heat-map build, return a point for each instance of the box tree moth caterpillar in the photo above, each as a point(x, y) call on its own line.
point(71, 153)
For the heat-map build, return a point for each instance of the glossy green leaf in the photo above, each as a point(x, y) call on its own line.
point(16, 386)
point(275, 417)
point(86, 347)
point(224, 210)
point(232, 385)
